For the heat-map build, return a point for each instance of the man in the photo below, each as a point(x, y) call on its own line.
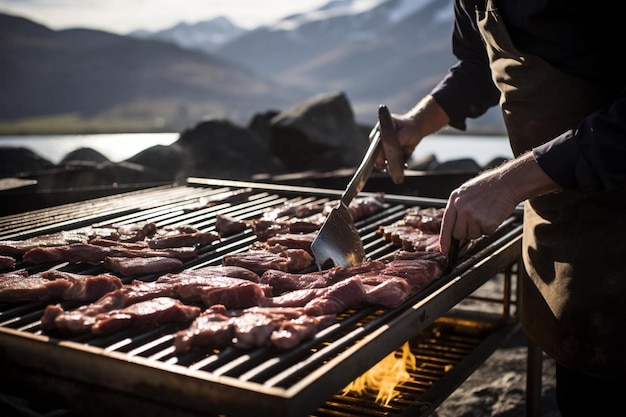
point(551, 66)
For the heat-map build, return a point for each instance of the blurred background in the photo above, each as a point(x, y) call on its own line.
point(118, 66)
point(120, 77)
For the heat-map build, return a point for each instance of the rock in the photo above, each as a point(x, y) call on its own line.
point(426, 163)
point(458, 165)
point(84, 154)
point(260, 124)
point(16, 161)
point(319, 134)
point(221, 149)
point(162, 163)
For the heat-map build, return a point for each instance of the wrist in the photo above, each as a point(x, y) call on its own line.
point(525, 179)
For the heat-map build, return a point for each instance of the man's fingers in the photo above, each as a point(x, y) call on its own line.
point(447, 227)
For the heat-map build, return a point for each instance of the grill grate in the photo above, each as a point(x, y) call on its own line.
point(135, 365)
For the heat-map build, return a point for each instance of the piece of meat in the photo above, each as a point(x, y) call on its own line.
point(212, 328)
point(147, 313)
point(362, 207)
point(211, 288)
point(84, 287)
point(282, 281)
point(260, 259)
point(295, 298)
point(135, 232)
point(294, 240)
point(140, 266)
point(418, 230)
point(7, 262)
point(308, 224)
point(292, 209)
point(225, 271)
point(264, 229)
point(139, 290)
point(20, 287)
point(337, 298)
point(94, 254)
point(218, 327)
point(228, 226)
point(293, 332)
point(418, 268)
point(426, 219)
point(19, 247)
point(254, 329)
point(233, 196)
point(80, 320)
point(421, 241)
point(339, 273)
point(182, 240)
point(98, 241)
point(74, 253)
point(386, 291)
point(13, 275)
point(245, 294)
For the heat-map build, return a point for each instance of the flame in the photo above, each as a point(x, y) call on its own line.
point(385, 376)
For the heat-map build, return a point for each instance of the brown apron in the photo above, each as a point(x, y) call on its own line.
point(574, 247)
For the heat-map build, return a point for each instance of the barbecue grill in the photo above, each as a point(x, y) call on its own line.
point(137, 371)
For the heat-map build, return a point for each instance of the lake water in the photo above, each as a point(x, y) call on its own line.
point(121, 146)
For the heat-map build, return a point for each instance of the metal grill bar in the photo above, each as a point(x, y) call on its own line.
point(287, 384)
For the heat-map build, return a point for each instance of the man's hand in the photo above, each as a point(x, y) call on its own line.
point(425, 118)
point(479, 206)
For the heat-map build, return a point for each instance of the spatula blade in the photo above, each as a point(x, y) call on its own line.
point(338, 242)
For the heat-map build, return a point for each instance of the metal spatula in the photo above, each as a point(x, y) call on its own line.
point(338, 240)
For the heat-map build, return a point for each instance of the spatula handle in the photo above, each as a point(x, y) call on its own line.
point(365, 168)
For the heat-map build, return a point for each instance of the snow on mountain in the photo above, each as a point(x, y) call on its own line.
point(206, 35)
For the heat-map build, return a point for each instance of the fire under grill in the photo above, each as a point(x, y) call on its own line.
point(137, 370)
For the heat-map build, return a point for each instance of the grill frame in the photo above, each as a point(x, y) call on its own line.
point(65, 369)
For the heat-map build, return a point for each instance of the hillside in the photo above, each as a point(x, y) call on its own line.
point(86, 76)
point(393, 52)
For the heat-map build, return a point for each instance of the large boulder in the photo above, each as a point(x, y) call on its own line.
point(162, 163)
point(318, 134)
point(84, 154)
point(17, 161)
point(220, 149)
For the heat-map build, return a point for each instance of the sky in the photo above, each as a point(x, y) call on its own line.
point(124, 16)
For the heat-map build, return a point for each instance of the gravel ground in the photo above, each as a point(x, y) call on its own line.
point(498, 387)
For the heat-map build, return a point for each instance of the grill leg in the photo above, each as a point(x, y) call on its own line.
point(533, 380)
point(534, 362)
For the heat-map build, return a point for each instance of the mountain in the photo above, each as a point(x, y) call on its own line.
point(375, 51)
point(207, 35)
point(392, 52)
point(85, 75)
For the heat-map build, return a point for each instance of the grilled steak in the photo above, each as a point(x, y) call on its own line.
point(228, 225)
point(293, 240)
point(145, 313)
point(337, 298)
point(55, 285)
point(94, 254)
point(183, 239)
point(7, 262)
point(294, 331)
point(138, 266)
point(80, 320)
point(262, 258)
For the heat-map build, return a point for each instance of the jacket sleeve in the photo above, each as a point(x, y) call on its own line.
point(467, 90)
point(590, 158)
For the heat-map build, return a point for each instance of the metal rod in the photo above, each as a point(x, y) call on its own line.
point(533, 365)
